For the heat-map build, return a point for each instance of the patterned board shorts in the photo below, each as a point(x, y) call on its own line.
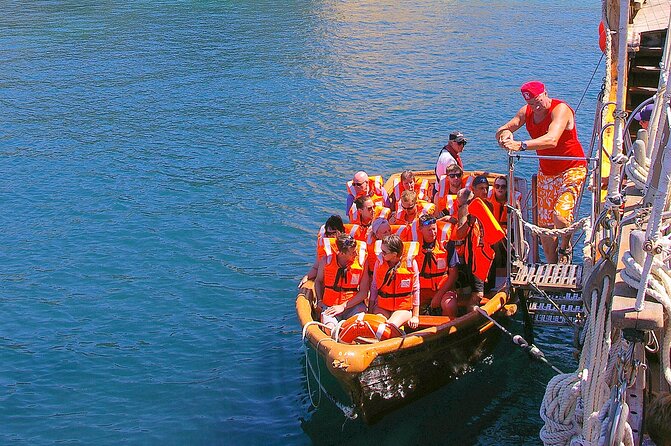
point(558, 194)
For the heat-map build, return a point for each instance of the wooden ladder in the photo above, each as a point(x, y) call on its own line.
point(553, 292)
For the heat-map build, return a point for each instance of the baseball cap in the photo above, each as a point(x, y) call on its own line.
point(458, 137)
point(644, 113)
point(532, 89)
point(480, 179)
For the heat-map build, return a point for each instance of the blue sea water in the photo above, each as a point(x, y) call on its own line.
point(164, 168)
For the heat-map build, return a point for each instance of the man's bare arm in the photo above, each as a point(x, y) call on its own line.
point(319, 280)
point(561, 117)
point(506, 130)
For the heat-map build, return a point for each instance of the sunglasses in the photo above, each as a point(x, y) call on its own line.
point(409, 207)
point(357, 184)
point(348, 242)
point(331, 232)
point(428, 222)
point(370, 208)
point(455, 175)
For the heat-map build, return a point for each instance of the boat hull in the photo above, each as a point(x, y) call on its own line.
point(396, 379)
point(379, 378)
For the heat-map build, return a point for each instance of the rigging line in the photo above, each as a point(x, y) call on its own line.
point(589, 83)
point(518, 340)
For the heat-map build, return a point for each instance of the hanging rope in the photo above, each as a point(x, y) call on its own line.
point(588, 84)
point(348, 411)
point(584, 222)
point(518, 340)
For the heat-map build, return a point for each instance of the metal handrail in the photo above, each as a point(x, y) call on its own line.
point(550, 157)
point(628, 143)
point(593, 169)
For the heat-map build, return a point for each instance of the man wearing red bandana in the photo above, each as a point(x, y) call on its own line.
point(552, 127)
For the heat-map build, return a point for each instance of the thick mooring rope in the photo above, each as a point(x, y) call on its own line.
point(638, 165)
point(659, 288)
point(571, 396)
point(582, 223)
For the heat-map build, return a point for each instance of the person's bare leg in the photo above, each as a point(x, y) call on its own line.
point(400, 317)
point(449, 305)
point(560, 223)
point(549, 248)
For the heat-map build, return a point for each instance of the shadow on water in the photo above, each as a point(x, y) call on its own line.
point(489, 404)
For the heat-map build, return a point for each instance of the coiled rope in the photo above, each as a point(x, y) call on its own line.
point(637, 166)
point(573, 401)
point(659, 288)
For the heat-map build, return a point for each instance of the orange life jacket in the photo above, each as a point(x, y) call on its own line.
point(444, 185)
point(448, 202)
point(378, 201)
point(356, 231)
point(368, 326)
point(432, 265)
point(467, 182)
point(342, 284)
point(423, 208)
point(409, 232)
point(421, 189)
point(374, 246)
point(394, 285)
point(499, 210)
point(375, 185)
point(378, 212)
point(483, 233)
point(445, 231)
point(493, 232)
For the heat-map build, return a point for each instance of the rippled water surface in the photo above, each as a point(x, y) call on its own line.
point(164, 168)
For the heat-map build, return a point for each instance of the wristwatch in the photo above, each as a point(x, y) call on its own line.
point(523, 146)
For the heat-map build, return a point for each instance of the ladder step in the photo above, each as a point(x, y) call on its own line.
point(643, 90)
point(650, 51)
point(645, 69)
point(546, 319)
point(544, 312)
point(550, 276)
point(559, 299)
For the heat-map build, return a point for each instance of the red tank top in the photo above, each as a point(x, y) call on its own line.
point(568, 144)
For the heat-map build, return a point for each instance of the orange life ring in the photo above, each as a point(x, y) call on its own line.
point(363, 325)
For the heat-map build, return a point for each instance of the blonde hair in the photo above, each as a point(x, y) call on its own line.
point(409, 196)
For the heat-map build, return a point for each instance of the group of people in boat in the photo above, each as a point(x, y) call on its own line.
point(414, 247)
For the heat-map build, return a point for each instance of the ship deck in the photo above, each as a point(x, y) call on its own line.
point(653, 16)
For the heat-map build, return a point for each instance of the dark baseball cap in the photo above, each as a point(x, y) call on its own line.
point(458, 137)
point(480, 179)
